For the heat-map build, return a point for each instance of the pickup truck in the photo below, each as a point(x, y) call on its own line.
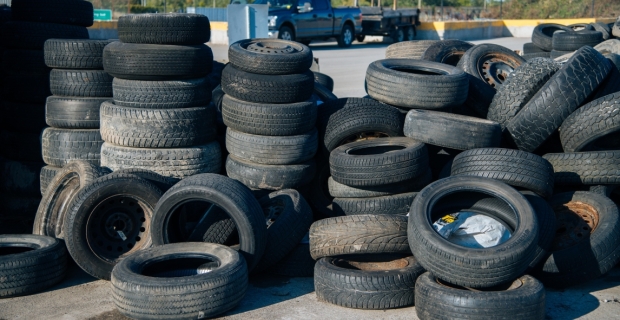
point(306, 20)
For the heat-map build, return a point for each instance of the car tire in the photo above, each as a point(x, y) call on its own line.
point(408, 49)
point(272, 150)
point(270, 56)
point(585, 168)
point(161, 94)
point(446, 51)
point(391, 204)
point(61, 146)
point(339, 190)
point(75, 53)
point(80, 83)
point(542, 36)
point(166, 28)
point(571, 41)
point(73, 112)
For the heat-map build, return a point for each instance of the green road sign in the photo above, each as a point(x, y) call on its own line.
point(103, 14)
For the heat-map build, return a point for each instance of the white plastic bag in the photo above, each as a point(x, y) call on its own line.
point(472, 230)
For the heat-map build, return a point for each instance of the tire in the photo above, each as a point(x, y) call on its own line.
point(366, 120)
point(61, 190)
point(21, 146)
point(267, 119)
point(570, 41)
point(435, 85)
point(18, 61)
point(88, 226)
point(530, 56)
point(616, 28)
point(359, 234)
point(133, 61)
point(47, 174)
point(323, 93)
point(590, 255)
point(161, 94)
point(611, 84)
point(272, 150)
point(231, 196)
point(440, 300)
point(377, 284)
point(594, 126)
point(346, 37)
point(408, 49)
point(61, 146)
point(136, 292)
point(446, 51)
point(298, 263)
point(73, 112)
point(555, 54)
point(378, 162)
point(286, 33)
point(543, 33)
point(75, 53)
point(397, 204)
point(603, 29)
point(529, 48)
point(288, 218)
point(26, 88)
point(20, 177)
point(547, 226)
point(325, 80)
point(270, 56)
point(157, 128)
point(30, 264)
point(451, 130)
point(63, 12)
point(174, 162)
point(22, 117)
point(166, 28)
point(80, 83)
point(267, 88)
point(270, 177)
point(556, 100)
point(481, 60)
point(522, 84)
point(32, 35)
point(585, 168)
point(339, 190)
point(475, 268)
point(513, 167)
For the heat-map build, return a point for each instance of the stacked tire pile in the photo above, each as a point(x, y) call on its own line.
point(79, 87)
point(25, 87)
point(160, 119)
point(270, 115)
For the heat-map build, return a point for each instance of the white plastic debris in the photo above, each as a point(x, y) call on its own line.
point(472, 230)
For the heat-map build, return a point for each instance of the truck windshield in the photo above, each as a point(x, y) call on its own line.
point(277, 3)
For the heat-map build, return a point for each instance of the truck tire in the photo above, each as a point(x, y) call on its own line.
point(270, 56)
point(523, 299)
point(176, 163)
point(32, 35)
point(75, 53)
point(270, 177)
point(594, 126)
point(397, 204)
point(408, 49)
point(61, 146)
point(30, 263)
point(161, 94)
point(346, 37)
point(585, 168)
point(446, 51)
point(571, 41)
point(136, 293)
point(435, 85)
point(166, 28)
point(272, 150)
point(543, 34)
point(603, 28)
point(359, 234)
point(80, 83)
point(556, 100)
point(136, 61)
point(73, 112)
point(67, 12)
point(371, 284)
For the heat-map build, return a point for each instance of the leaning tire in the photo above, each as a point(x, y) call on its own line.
point(61, 146)
point(446, 51)
point(270, 56)
point(570, 41)
point(473, 63)
point(270, 177)
point(166, 28)
point(30, 263)
point(161, 94)
point(339, 190)
point(585, 168)
point(73, 112)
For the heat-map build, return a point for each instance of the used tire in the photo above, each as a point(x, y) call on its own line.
point(436, 299)
point(61, 190)
point(30, 263)
point(359, 234)
point(556, 100)
point(269, 120)
point(133, 61)
point(446, 51)
point(585, 168)
point(231, 196)
point(543, 33)
point(464, 266)
point(490, 63)
point(594, 126)
point(391, 204)
point(166, 28)
point(32, 35)
point(435, 85)
point(80, 83)
point(379, 284)
point(61, 146)
point(570, 41)
point(207, 270)
point(260, 88)
point(325, 80)
point(270, 56)
point(75, 53)
point(272, 150)
point(339, 190)
point(522, 84)
point(173, 162)
point(73, 112)
point(408, 49)
point(378, 162)
point(157, 128)
point(45, 177)
point(108, 220)
point(513, 167)
point(161, 94)
point(451, 130)
point(64, 12)
point(270, 177)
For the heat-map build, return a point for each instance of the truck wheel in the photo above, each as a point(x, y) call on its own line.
point(346, 36)
point(398, 35)
point(286, 34)
point(360, 37)
point(410, 34)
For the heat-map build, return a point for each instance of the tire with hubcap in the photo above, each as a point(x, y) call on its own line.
point(346, 36)
point(286, 33)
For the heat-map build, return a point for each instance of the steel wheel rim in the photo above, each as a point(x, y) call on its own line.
point(576, 222)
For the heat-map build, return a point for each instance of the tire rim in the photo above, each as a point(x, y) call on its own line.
point(367, 135)
point(410, 35)
point(273, 210)
point(496, 67)
point(285, 35)
point(118, 226)
point(576, 222)
point(347, 36)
